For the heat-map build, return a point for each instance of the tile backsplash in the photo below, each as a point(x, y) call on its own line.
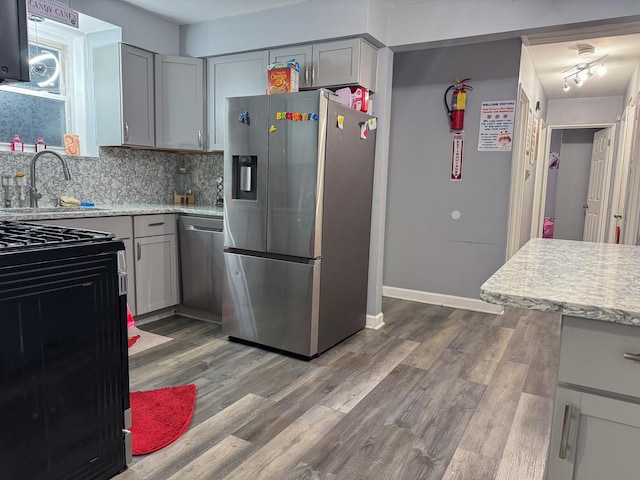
point(117, 176)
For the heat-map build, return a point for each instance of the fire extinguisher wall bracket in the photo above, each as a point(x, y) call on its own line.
point(455, 109)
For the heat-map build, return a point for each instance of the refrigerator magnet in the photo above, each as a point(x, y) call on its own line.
point(272, 128)
point(373, 123)
point(363, 130)
point(340, 122)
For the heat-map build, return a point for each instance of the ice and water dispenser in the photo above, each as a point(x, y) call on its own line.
point(245, 172)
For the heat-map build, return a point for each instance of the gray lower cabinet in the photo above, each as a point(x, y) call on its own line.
point(156, 262)
point(593, 437)
point(596, 417)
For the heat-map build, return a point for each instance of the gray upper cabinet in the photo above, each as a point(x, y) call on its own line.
point(345, 62)
point(180, 106)
point(232, 76)
point(124, 95)
point(302, 54)
point(333, 64)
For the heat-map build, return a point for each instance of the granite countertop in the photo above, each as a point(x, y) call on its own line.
point(599, 281)
point(47, 213)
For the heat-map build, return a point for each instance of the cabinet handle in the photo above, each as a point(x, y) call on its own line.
point(313, 75)
point(617, 216)
point(126, 132)
point(306, 75)
point(632, 356)
point(156, 224)
point(566, 425)
point(139, 249)
point(200, 138)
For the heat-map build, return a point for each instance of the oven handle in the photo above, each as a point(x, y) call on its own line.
point(139, 249)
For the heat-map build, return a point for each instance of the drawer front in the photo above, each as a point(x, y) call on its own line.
point(150, 225)
point(120, 226)
point(592, 355)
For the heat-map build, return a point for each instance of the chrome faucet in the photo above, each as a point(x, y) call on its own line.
point(33, 201)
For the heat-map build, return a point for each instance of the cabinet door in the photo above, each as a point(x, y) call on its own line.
point(138, 113)
point(602, 437)
point(156, 273)
point(179, 102)
point(302, 54)
point(344, 62)
point(232, 76)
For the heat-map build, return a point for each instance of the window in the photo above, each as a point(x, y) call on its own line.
point(42, 107)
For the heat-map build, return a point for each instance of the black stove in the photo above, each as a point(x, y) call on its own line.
point(23, 235)
point(64, 381)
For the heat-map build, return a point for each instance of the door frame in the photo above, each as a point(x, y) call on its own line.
point(518, 163)
point(542, 168)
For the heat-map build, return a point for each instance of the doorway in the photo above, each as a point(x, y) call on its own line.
point(568, 170)
point(572, 203)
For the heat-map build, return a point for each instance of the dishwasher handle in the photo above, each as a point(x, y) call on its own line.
point(192, 228)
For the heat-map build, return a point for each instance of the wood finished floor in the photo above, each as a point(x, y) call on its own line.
point(437, 393)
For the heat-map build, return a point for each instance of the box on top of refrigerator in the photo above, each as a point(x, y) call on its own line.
point(283, 77)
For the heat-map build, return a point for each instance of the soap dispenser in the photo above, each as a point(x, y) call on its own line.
point(40, 145)
point(16, 144)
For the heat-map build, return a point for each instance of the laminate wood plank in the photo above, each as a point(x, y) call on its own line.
point(218, 461)
point(333, 453)
point(361, 382)
point(466, 465)
point(302, 471)
point(489, 427)
point(543, 370)
point(196, 440)
point(291, 406)
point(525, 454)
point(436, 441)
point(484, 362)
point(416, 408)
point(522, 348)
point(417, 324)
point(286, 449)
point(429, 350)
point(509, 319)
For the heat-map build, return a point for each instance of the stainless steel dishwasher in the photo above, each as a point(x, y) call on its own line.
point(201, 266)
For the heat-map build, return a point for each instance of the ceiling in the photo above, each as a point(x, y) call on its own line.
point(554, 61)
point(185, 12)
point(552, 53)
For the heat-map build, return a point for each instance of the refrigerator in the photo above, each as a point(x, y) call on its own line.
point(298, 191)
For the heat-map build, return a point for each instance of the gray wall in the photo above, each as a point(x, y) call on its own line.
point(573, 182)
point(425, 249)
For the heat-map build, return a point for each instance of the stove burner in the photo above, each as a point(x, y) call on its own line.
point(17, 235)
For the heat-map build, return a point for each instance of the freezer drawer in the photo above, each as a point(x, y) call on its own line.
point(272, 302)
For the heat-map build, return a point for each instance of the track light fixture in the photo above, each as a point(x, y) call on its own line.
point(582, 72)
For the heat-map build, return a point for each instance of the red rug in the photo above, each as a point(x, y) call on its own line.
point(160, 417)
point(133, 340)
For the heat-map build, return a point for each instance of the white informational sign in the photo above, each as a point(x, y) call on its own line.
point(53, 10)
point(457, 145)
point(496, 126)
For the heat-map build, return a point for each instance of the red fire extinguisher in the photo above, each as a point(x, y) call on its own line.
point(458, 103)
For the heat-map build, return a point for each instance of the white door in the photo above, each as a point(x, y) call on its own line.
point(598, 192)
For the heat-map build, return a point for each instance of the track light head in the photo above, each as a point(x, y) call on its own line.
point(565, 86)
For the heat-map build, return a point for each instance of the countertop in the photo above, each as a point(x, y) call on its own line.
point(27, 214)
point(599, 281)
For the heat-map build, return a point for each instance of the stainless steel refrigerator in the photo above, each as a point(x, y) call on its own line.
point(298, 191)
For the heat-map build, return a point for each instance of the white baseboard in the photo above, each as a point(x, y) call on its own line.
point(464, 303)
point(375, 322)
